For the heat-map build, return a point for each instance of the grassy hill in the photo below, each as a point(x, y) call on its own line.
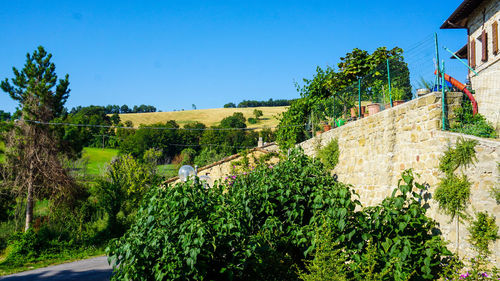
point(208, 117)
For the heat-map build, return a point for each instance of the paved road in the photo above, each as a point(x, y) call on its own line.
point(95, 269)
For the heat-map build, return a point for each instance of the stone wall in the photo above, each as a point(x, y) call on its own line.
point(374, 151)
point(227, 166)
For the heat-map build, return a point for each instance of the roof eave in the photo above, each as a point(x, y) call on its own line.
point(458, 19)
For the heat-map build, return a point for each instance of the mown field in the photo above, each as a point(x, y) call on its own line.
point(209, 117)
point(99, 158)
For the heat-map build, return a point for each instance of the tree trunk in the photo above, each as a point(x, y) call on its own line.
point(458, 233)
point(29, 200)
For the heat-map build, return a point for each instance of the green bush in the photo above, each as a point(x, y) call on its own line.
point(120, 193)
point(257, 229)
point(188, 155)
point(329, 154)
point(262, 226)
point(252, 120)
point(208, 156)
point(472, 125)
point(483, 231)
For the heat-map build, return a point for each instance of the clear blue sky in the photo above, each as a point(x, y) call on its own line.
point(172, 54)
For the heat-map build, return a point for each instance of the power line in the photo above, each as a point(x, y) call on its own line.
point(155, 128)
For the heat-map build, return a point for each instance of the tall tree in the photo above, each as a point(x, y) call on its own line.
point(32, 165)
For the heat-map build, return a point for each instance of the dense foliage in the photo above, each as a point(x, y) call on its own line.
point(342, 86)
point(95, 133)
point(254, 103)
point(483, 231)
point(111, 109)
point(468, 124)
point(453, 191)
point(263, 228)
point(329, 154)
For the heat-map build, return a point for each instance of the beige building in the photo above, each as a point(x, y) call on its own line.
point(481, 19)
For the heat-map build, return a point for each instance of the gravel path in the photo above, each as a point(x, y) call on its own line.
point(95, 269)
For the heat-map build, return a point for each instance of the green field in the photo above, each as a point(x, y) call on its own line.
point(97, 159)
point(167, 170)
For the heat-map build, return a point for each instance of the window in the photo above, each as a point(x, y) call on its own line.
point(494, 32)
point(484, 44)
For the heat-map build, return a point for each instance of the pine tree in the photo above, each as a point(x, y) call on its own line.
point(32, 165)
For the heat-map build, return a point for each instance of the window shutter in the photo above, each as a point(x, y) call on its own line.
point(494, 28)
point(484, 41)
point(472, 60)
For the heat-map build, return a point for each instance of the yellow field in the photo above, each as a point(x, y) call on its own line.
point(208, 117)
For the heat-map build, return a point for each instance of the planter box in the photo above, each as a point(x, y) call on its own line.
point(374, 108)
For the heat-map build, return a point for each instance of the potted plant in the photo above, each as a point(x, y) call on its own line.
point(327, 127)
point(397, 96)
point(354, 112)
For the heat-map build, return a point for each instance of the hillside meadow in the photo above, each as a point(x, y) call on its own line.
point(209, 117)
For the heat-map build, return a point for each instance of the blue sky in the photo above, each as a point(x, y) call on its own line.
point(172, 54)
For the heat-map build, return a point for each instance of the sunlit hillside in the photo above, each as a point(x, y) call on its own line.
point(208, 117)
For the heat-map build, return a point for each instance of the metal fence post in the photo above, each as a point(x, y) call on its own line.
point(437, 60)
point(389, 81)
point(359, 98)
point(443, 98)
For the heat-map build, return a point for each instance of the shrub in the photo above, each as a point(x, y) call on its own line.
point(453, 192)
point(329, 154)
point(402, 234)
point(119, 194)
point(472, 125)
point(262, 226)
point(252, 120)
point(483, 231)
point(257, 229)
point(207, 156)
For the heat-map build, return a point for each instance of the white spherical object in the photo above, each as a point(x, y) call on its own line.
point(185, 172)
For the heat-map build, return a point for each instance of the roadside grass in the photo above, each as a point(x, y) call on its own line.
point(98, 158)
point(64, 257)
point(209, 117)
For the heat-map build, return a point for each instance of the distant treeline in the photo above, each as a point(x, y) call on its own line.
point(94, 126)
point(255, 103)
point(113, 108)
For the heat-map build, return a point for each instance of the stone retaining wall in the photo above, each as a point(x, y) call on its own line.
point(375, 150)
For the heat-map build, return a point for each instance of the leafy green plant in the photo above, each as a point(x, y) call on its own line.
point(403, 234)
point(483, 231)
point(468, 124)
point(252, 120)
point(329, 262)
point(256, 229)
point(119, 194)
point(329, 154)
point(264, 226)
point(453, 192)
point(398, 94)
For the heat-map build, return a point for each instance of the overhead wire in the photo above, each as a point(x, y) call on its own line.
point(154, 128)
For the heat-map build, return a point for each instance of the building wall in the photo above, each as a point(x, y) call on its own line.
point(377, 149)
point(487, 83)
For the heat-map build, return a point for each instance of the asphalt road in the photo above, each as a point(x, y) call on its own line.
point(95, 269)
